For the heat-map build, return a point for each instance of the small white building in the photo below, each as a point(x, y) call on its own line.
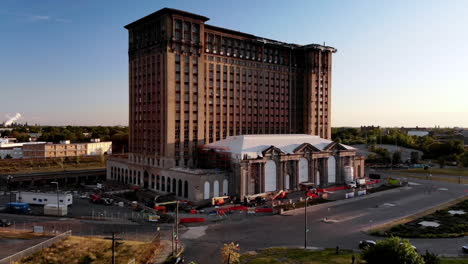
point(51, 209)
point(37, 198)
point(96, 148)
point(418, 133)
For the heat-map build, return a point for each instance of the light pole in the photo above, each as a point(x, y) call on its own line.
point(305, 223)
point(9, 178)
point(58, 204)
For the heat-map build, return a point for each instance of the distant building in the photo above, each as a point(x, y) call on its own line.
point(418, 133)
point(14, 150)
point(369, 128)
point(66, 149)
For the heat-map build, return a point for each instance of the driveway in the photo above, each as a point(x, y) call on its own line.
point(352, 218)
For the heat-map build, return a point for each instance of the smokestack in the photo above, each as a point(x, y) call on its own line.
point(12, 119)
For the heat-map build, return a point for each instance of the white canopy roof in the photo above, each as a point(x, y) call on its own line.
point(254, 145)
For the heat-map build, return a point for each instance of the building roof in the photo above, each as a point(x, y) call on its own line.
point(170, 11)
point(254, 145)
point(165, 11)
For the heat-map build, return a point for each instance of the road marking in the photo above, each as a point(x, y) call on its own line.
point(413, 183)
point(442, 189)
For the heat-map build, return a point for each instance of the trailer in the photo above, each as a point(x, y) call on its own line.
point(51, 209)
point(37, 198)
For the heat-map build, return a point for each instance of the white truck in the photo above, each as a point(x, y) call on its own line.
point(38, 198)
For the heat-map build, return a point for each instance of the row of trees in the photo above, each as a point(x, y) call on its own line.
point(442, 151)
point(117, 134)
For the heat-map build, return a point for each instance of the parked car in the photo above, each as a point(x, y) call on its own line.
point(4, 223)
point(305, 186)
point(18, 208)
point(465, 249)
point(352, 184)
point(366, 243)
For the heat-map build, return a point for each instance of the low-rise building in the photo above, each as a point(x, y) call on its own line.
point(66, 149)
point(246, 165)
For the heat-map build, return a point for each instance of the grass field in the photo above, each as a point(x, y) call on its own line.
point(423, 174)
point(443, 171)
point(450, 225)
point(8, 233)
point(290, 256)
point(51, 164)
point(301, 256)
point(77, 250)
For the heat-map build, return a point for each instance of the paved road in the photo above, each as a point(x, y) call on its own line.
point(203, 243)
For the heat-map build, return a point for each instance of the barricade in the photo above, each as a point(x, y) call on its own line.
point(192, 220)
point(264, 210)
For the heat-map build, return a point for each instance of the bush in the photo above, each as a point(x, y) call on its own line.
point(431, 258)
point(392, 251)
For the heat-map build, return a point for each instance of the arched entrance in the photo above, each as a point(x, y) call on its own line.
point(206, 190)
point(145, 180)
point(216, 188)
point(331, 169)
point(303, 170)
point(270, 176)
point(225, 187)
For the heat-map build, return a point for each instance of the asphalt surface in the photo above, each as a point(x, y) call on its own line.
point(352, 219)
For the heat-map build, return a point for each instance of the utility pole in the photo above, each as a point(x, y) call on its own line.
point(305, 223)
point(175, 227)
point(9, 178)
point(113, 238)
point(58, 200)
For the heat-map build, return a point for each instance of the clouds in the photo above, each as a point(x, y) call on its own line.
point(36, 18)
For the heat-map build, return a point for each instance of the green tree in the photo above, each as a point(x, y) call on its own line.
point(396, 157)
point(392, 251)
point(431, 258)
point(415, 157)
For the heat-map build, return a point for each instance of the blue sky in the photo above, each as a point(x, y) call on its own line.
point(399, 63)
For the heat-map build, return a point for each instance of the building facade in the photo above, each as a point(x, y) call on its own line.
point(269, 163)
point(192, 84)
point(66, 149)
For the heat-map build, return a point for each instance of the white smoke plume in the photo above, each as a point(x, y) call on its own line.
point(12, 119)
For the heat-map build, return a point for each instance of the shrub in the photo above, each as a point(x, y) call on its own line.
point(431, 258)
point(392, 251)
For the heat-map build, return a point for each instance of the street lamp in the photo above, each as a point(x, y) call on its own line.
point(305, 223)
point(9, 178)
point(58, 204)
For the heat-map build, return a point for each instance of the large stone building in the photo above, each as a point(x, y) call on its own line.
point(192, 84)
point(268, 163)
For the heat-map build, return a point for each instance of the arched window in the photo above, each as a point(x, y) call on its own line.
point(157, 182)
point(270, 176)
point(163, 184)
point(179, 191)
point(303, 170)
point(225, 187)
point(186, 189)
point(174, 183)
point(152, 181)
point(206, 190)
point(168, 184)
point(216, 188)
